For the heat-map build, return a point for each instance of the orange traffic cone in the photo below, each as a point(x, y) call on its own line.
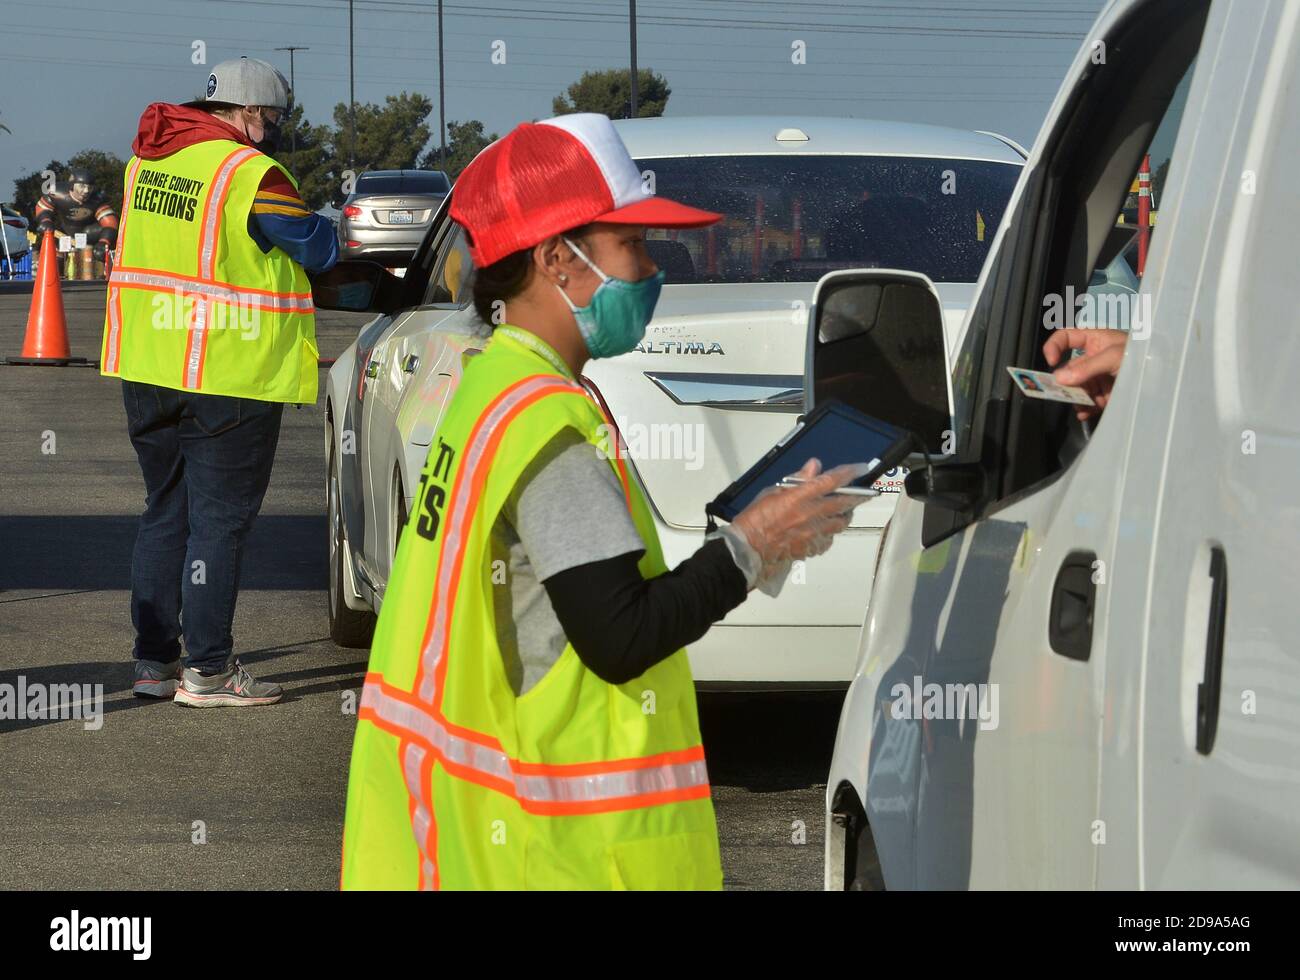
point(47, 328)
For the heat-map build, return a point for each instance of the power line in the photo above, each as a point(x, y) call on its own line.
point(129, 36)
point(547, 14)
point(513, 86)
point(883, 10)
point(826, 72)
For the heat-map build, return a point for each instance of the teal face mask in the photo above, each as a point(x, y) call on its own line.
point(615, 320)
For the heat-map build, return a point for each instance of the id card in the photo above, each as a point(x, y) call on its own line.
point(1041, 384)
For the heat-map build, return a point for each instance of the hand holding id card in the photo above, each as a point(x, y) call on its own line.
point(1043, 384)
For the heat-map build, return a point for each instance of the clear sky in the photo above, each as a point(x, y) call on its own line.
point(77, 73)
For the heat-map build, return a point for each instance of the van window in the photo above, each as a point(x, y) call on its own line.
point(1072, 262)
point(1111, 301)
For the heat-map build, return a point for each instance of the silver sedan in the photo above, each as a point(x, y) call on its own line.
point(387, 214)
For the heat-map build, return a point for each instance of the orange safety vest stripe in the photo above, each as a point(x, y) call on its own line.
point(212, 290)
point(197, 344)
point(431, 675)
point(380, 688)
point(113, 342)
point(142, 270)
point(554, 790)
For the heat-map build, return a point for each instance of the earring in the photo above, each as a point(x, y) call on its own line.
point(563, 279)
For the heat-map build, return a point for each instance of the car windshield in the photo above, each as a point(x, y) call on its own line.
point(406, 182)
point(794, 218)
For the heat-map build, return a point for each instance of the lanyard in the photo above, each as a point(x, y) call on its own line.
point(537, 346)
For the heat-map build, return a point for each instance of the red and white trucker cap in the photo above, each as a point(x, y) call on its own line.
point(544, 178)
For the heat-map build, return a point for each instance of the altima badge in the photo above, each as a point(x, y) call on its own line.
point(678, 347)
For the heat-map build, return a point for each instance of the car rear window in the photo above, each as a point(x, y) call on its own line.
point(408, 182)
point(794, 218)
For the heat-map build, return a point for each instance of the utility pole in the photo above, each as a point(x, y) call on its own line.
point(291, 48)
point(632, 27)
point(442, 100)
point(352, 97)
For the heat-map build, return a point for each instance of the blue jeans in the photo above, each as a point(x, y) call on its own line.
point(206, 461)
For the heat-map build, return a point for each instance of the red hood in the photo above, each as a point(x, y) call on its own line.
point(166, 128)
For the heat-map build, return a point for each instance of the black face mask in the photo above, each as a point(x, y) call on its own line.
point(270, 141)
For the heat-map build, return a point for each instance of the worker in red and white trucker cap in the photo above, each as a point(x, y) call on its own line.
point(529, 718)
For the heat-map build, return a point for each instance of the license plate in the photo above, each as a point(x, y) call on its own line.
point(399, 217)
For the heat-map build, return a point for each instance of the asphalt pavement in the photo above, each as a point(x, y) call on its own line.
point(161, 796)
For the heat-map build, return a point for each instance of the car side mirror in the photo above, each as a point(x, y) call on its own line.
point(876, 342)
point(357, 286)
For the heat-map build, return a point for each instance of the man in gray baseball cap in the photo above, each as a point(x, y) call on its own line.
point(253, 86)
point(214, 229)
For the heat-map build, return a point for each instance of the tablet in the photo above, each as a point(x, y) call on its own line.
point(833, 433)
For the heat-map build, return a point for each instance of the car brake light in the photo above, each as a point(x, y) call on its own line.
point(16, 222)
point(352, 244)
point(351, 211)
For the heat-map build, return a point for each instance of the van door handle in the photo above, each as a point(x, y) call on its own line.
point(1074, 596)
point(1207, 692)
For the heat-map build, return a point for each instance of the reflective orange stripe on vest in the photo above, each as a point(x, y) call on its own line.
point(417, 719)
point(482, 445)
point(197, 344)
point(155, 280)
point(546, 789)
point(113, 348)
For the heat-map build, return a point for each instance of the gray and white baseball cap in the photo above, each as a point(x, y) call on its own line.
point(245, 81)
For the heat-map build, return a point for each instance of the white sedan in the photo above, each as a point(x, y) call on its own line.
point(719, 377)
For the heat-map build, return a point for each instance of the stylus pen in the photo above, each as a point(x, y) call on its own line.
point(795, 481)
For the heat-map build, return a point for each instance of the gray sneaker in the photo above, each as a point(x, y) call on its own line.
point(235, 687)
point(156, 680)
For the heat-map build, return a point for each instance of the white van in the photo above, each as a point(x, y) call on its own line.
point(1080, 666)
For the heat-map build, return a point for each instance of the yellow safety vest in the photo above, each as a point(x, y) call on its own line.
point(456, 782)
point(193, 301)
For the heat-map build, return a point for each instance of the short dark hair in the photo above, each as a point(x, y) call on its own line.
point(506, 278)
point(500, 282)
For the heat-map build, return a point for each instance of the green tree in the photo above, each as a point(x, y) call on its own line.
point(464, 141)
point(610, 92)
point(106, 173)
point(312, 162)
point(389, 137)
